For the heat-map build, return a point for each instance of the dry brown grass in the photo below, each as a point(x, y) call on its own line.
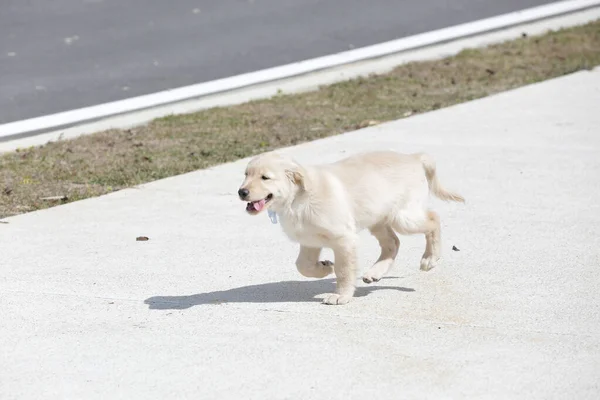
point(107, 161)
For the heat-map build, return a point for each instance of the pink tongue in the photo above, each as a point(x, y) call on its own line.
point(258, 205)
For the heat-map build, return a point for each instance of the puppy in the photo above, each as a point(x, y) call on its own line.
point(327, 205)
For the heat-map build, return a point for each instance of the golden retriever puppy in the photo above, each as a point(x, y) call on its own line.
point(327, 205)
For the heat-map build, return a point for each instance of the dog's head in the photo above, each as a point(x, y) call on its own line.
point(271, 181)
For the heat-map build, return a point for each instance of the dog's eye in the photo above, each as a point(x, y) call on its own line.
point(265, 178)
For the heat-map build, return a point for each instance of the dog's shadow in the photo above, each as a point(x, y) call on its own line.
point(275, 292)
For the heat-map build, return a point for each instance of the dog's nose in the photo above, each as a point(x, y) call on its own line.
point(243, 193)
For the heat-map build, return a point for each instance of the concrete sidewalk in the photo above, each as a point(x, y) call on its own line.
point(211, 307)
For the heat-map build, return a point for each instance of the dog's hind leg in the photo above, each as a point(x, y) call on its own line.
point(390, 244)
point(433, 236)
point(308, 263)
point(428, 223)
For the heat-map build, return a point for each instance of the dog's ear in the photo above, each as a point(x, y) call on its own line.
point(297, 175)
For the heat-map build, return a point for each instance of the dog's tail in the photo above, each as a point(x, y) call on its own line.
point(434, 184)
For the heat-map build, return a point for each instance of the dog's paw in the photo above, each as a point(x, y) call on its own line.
point(428, 263)
point(319, 270)
point(324, 268)
point(337, 299)
point(370, 278)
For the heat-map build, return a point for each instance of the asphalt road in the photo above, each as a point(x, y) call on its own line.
point(64, 54)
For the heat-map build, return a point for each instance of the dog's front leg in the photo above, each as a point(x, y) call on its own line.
point(308, 263)
point(345, 271)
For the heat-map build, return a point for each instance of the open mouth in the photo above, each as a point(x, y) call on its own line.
point(255, 207)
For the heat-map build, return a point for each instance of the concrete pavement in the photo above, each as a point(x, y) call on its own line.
point(212, 307)
point(67, 54)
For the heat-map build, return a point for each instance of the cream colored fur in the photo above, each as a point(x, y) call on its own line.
point(327, 205)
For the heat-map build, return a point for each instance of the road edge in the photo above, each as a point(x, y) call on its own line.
point(297, 77)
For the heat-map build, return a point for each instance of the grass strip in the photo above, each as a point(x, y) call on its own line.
point(64, 171)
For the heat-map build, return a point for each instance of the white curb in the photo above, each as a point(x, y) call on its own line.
point(304, 75)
